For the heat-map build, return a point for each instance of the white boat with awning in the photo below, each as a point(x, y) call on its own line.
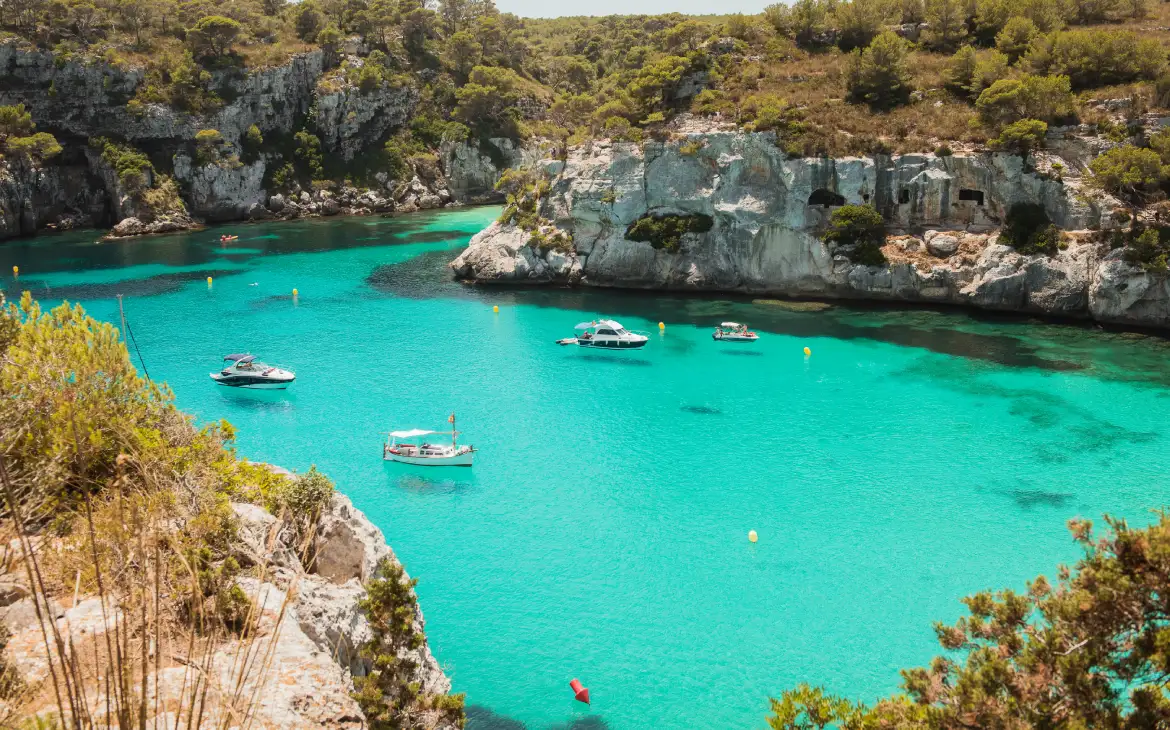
point(413, 447)
point(605, 334)
point(734, 332)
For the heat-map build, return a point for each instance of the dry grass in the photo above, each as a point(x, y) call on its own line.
point(147, 656)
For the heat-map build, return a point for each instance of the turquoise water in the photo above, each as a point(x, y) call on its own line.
point(915, 457)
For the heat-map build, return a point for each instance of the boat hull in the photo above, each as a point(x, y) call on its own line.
point(463, 459)
point(256, 383)
point(734, 338)
point(612, 344)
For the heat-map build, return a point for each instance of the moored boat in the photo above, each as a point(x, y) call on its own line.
point(605, 334)
point(734, 332)
point(245, 371)
point(424, 453)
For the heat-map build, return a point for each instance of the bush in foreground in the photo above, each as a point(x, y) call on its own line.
point(1090, 652)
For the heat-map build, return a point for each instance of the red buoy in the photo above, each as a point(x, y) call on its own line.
point(580, 693)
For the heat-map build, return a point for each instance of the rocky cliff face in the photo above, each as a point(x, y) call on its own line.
point(472, 170)
point(309, 625)
point(78, 100)
point(768, 212)
point(59, 197)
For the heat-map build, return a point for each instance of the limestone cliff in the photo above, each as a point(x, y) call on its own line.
point(768, 212)
point(78, 100)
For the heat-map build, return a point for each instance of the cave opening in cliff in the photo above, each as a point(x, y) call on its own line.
point(976, 196)
point(904, 196)
point(825, 198)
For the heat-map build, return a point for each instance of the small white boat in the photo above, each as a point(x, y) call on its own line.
point(734, 332)
point(605, 334)
point(245, 371)
point(421, 452)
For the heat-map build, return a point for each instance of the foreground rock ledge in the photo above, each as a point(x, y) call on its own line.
point(769, 210)
point(314, 649)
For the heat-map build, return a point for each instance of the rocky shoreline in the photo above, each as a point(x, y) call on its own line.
point(768, 211)
point(310, 622)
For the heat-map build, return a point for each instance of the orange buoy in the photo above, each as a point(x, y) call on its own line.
point(580, 692)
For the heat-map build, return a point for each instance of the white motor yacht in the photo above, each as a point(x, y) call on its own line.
point(734, 332)
point(245, 371)
point(605, 334)
point(420, 452)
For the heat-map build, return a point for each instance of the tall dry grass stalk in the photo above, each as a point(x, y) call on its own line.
point(160, 656)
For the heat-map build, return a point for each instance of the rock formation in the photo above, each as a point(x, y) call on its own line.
point(310, 626)
point(78, 100)
point(768, 212)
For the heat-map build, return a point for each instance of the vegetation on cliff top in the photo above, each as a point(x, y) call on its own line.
point(1087, 652)
point(915, 72)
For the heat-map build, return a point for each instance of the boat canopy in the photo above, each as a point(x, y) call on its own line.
point(730, 324)
point(612, 324)
point(411, 433)
point(240, 358)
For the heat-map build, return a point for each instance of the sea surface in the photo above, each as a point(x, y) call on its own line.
point(914, 457)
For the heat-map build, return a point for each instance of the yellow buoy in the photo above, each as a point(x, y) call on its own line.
point(16, 271)
point(661, 325)
point(807, 351)
point(209, 281)
point(752, 536)
point(294, 292)
point(496, 309)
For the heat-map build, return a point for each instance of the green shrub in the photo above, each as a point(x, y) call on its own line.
point(946, 24)
point(879, 76)
point(308, 152)
point(387, 695)
point(208, 143)
point(1150, 250)
point(15, 121)
point(862, 229)
point(523, 189)
point(1047, 98)
point(666, 231)
point(1021, 137)
point(1092, 58)
point(1133, 173)
point(960, 71)
point(131, 166)
point(253, 138)
point(1029, 230)
point(1016, 37)
point(619, 129)
point(284, 177)
point(35, 148)
point(213, 35)
point(769, 112)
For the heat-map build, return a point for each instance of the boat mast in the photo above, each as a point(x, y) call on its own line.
point(451, 420)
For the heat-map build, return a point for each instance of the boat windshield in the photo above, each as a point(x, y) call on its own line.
point(251, 365)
